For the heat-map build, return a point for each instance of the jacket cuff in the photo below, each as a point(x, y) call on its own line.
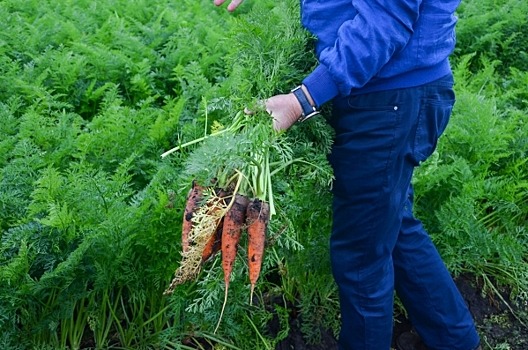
point(321, 86)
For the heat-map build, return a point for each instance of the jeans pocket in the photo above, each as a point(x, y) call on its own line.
point(432, 120)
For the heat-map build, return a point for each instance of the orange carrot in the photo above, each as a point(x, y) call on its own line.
point(205, 221)
point(214, 243)
point(192, 202)
point(232, 228)
point(257, 219)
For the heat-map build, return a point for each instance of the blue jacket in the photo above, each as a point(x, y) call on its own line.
point(372, 45)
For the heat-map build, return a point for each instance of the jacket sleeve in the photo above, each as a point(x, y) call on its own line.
point(364, 44)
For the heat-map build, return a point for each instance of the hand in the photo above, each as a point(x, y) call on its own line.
point(284, 109)
point(232, 5)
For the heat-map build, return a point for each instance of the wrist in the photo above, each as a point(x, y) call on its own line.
point(308, 95)
point(306, 103)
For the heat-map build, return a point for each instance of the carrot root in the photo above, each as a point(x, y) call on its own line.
point(232, 228)
point(191, 205)
point(213, 244)
point(205, 222)
point(257, 218)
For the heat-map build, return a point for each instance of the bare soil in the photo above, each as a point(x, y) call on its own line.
point(500, 327)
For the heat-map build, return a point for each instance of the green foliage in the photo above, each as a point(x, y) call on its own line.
point(472, 194)
point(495, 30)
point(91, 93)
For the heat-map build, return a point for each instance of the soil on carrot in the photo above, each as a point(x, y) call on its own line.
point(499, 327)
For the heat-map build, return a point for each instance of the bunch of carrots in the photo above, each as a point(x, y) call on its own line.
point(213, 222)
point(215, 216)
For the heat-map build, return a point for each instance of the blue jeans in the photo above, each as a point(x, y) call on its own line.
point(377, 245)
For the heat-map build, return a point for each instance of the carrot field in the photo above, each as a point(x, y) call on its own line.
point(122, 125)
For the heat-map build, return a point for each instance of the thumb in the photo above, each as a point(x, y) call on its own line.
point(258, 106)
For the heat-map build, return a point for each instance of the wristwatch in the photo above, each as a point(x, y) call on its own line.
point(308, 110)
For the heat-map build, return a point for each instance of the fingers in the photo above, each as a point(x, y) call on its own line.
point(279, 107)
point(233, 5)
point(266, 104)
point(277, 125)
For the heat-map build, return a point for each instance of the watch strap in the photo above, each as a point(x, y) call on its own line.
point(308, 110)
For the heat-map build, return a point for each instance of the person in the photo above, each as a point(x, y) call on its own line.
point(384, 66)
